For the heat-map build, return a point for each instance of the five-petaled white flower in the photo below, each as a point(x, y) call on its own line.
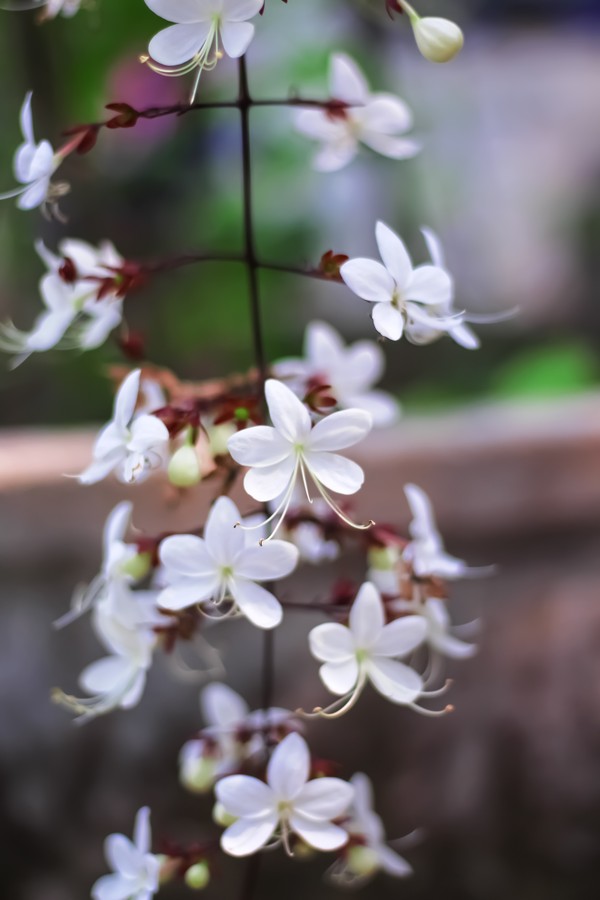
point(350, 371)
point(292, 448)
point(232, 735)
point(287, 803)
point(376, 120)
point(135, 874)
point(425, 552)
point(363, 860)
point(223, 566)
point(366, 650)
point(34, 165)
point(400, 293)
point(129, 444)
point(193, 42)
point(74, 316)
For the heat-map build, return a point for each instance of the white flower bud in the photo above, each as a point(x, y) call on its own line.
point(362, 861)
point(218, 435)
point(197, 876)
point(184, 467)
point(439, 40)
point(198, 775)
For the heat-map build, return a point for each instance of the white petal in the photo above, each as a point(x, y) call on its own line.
point(367, 617)
point(110, 442)
point(116, 525)
point(98, 470)
point(391, 146)
point(26, 119)
point(322, 835)
point(428, 284)
point(258, 604)
point(34, 196)
point(346, 81)
point(186, 554)
point(222, 706)
point(383, 408)
point(394, 680)
point(340, 430)
point(434, 247)
point(147, 432)
point(385, 114)
point(401, 636)
point(331, 642)
point(273, 560)
point(334, 156)
point(246, 836)
point(245, 797)
point(271, 481)
point(240, 10)
point(336, 472)
point(315, 124)
point(369, 280)
point(339, 678)
point(465, 337)
point(104, 675)
point(236, 38)
point(363, 365)
point(113, 887)
point(141, 830)
point(388, 321)
point(394, 254)
point(451, 646)
point(392, 863)
point(259, 445)
point(48, 330)
point(423, 525)
point(126, 399)
point(323, 346)
point(187, 593)
point(289, 767)
point(223, 540)
point(182, 11)
point(288, 414)
point(177, 44)
point(121, 855)
point(324, 798)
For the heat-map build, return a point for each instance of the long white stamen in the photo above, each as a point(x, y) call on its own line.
point(334, 710)
point(336, 509)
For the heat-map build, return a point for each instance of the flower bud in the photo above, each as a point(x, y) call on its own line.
point(439, 40)
point(362, 861)
point(184, 467)
point(198, 775)
point(383, 558)
point(138, 566)
point(198, 876)
point(218, 436)
point(221, 816)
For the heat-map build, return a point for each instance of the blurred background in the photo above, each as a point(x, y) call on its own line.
point(506, 440)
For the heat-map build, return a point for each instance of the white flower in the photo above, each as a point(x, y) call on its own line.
point(34, 165)
point(222, 565)
point(135, 870)
point(350, 371)
point(372, 854)
point(366, 650)
point(398, 291)
point(74, 317)
point(232, 735)
point(425, 552)
point(287, 803)
point(124, 622)
point(193, 42)
point(129, 444)
point(376, 120)
point(277, 456)
point(439, 40)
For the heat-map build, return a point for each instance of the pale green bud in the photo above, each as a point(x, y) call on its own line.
point(221, 816)
point(198, 775)
point(138, 566)
point(184, 467)
point(362, 861)
point(197, 876)
point(383, 558)
point(218, 436)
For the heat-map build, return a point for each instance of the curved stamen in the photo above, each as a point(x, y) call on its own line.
point(304, 482)
point(336, 509)
point(334, 710)
point(280, 511)
point(431, 713)
point(285, 838)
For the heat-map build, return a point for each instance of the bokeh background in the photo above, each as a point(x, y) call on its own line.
point(506, 791)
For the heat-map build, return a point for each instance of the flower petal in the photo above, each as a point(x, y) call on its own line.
point(26, 119)
point(260, 445)
point(147, 432)
point(258, 604)
point(221, 706)
point(246, 836)
point(428, 284)
point(394, 254)
point(392, 863)
point(383, 408)
point(104, 675)
point(182, 594)
point(126, 399)
point(322, 835)
point(240, 10)
point(388, 321)
point(340, 678)
point(267, 483)
point(367, 617)
point(141, 830)
point(121, 855)
point(336, 472)
point(113, 887)
point(236, 38)
point(334, 156)
point(394, 680)
point(331, 642)
point(273, 560)
point(289, 767)
point(177, 44)
point(181, 11)
point(401, 636)
point(245, 797)
point(223, 540)
point(346, 81)
point(340, 430)
point(385, 114)
point(288, 414)
point(369, 280)
point(434, 247)
point(324, 798)
point(187, 555)
point(391, 146)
